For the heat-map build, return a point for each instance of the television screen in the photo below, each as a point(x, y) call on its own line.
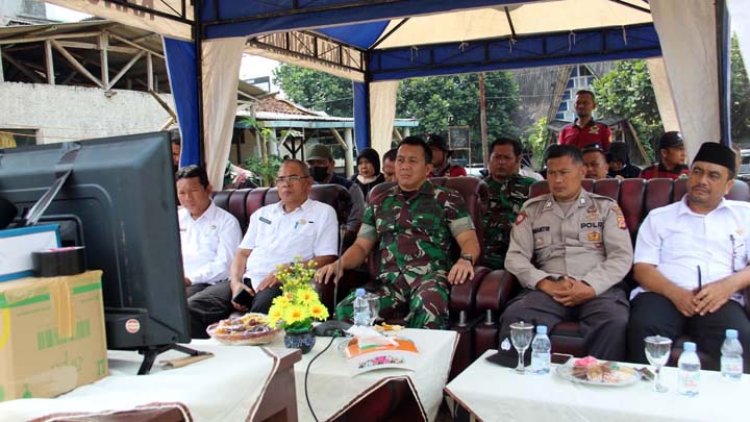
point(118, 202)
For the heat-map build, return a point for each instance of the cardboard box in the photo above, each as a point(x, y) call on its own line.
point(18, 244)
point(51, 335)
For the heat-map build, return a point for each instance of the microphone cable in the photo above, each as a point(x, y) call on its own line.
point(307, 373)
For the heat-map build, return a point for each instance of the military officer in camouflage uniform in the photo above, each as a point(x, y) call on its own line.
point(412, 225)
point(508, 190)
point(568, 250)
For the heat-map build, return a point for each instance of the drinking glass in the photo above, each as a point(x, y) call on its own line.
point(657, 353)
point(373, 301)
point(520, 335)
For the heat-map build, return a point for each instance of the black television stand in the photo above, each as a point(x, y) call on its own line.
point(151, 352)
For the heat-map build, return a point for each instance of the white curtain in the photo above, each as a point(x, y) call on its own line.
point(382, 112)
point(688, 42)
point(664, 97)
point(221, 69)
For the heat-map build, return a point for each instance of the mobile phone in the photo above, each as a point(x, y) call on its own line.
point(244, 297)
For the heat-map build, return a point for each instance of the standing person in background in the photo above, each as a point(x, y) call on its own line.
point(619, 162)
point(584, 130)
point(441, 159)
point(389, 165)
point(368, 171)
point(672, 158)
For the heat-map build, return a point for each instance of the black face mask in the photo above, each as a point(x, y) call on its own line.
point(319, 174)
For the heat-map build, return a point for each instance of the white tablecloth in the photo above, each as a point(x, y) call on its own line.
point(495, 393)
point(226, 387)
point(333, 387)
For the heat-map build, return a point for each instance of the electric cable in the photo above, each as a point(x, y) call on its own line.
point(307, 372)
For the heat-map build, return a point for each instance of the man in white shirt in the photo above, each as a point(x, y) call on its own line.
point(295, 227)
point(209, 236)
point(691, 261)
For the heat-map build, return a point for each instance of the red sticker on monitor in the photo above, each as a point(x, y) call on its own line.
point(132, 326)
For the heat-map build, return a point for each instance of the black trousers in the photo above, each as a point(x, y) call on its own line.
point(653, 314)
point(603, 320)
point(195, 288)
point(214, 303)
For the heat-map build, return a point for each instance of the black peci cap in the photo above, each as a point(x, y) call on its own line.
point(671, 139)
point(712, 152)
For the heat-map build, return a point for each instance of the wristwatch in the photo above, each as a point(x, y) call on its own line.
point(467, 256)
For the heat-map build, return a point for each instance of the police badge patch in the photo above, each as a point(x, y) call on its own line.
point(521, 216)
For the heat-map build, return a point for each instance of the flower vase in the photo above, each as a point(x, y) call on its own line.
point(299, 339)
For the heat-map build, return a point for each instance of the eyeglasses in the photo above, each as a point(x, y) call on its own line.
point(289, 179)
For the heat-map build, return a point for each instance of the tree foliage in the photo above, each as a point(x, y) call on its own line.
point(437, 102)
point(740, 99)
point(315, 90)
point(442, 101)
point(536, 140)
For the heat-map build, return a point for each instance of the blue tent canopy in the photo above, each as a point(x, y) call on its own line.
point(380, 40)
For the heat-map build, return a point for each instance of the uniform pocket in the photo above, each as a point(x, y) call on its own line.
point(591, 238)
point(542, 240)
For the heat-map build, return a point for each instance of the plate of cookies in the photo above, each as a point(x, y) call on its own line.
point(592, 371)
point(249, 329)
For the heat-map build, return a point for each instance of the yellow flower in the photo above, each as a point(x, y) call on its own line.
point(281, 301)
point(306, 296)
point(274, 315)
point(318, 311)
point(294, 314)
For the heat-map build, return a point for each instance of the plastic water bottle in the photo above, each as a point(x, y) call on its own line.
point(361, 309)
point(540, 351)
point(690, 371)
point(731, 356)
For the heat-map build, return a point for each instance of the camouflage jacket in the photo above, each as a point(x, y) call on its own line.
point(505, 201)
point(414, 231)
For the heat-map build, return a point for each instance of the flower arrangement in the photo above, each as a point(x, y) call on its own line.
point(299, 304)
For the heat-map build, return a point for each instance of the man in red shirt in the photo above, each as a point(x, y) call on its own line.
point(584, 130)
point(673, 157)
point(441, 159)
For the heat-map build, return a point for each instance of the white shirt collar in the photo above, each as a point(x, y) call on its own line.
point(304, 206)
point(685, 209)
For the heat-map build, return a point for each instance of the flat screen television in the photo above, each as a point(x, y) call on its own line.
point(119, 202)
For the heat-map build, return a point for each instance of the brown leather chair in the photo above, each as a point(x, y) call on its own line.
point(636, 198)
point(242, 203)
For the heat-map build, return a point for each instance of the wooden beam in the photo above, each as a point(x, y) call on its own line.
point(49, 62)
point(125, 69)
point(397, 134)
point(76, 64)
point(104, 57)
point(93, 46)
point(164, 105)
point(23, 68)
point(339, 139)
point(22, 40)
point(132, 44)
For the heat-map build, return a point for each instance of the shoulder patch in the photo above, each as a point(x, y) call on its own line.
point(520, 217)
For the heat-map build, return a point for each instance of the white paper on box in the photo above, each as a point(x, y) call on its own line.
point(16, 246)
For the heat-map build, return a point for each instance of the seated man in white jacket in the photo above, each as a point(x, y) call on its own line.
point(209, 236)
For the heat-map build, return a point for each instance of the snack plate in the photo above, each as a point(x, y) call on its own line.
point(243, 338)
point(566, 372)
